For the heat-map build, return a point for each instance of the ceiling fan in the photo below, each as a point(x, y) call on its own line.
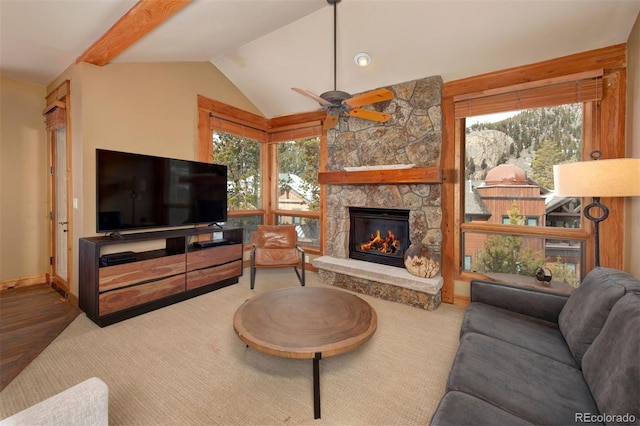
point(337, 102)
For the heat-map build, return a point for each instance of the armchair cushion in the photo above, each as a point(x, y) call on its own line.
point(276, 236)
point(277, 257)
point(276, 245)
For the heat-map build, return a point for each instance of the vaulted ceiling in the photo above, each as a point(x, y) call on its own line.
point(265, 47)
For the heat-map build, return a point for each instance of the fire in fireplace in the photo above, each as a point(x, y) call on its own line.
point(387, 245)
point(378, 235)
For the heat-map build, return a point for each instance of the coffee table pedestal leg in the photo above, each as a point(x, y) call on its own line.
point(316, 385)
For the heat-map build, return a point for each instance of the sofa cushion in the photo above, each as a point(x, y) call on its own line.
point(457, 408)
point(534, 387)
point(587, 309)
point(611, 365)
point(540, 336)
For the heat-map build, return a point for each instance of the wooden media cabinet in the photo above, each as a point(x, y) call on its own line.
point(151, 279)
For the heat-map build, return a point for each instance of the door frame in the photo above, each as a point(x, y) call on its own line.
point(60, 97)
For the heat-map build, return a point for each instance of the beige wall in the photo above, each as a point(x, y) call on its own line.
point(148, 108)
point(632, 213)
point(24, 243)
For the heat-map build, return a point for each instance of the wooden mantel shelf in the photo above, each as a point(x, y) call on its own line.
point(382, 176)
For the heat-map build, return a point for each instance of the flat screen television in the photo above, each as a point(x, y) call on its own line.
point(136, 191)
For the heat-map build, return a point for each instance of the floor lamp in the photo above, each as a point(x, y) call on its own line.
point(618, 177)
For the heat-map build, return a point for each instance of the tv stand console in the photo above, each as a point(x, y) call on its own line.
point(151, 279)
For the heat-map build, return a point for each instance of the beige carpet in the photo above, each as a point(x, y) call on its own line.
point(183, 364)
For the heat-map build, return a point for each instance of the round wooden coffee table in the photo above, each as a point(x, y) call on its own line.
point(305, 322)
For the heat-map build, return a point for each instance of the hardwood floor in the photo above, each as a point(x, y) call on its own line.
point(31, 317)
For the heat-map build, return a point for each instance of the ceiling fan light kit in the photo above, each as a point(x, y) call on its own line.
point(337, 102)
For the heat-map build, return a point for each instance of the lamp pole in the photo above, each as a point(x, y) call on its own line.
point(596, 204)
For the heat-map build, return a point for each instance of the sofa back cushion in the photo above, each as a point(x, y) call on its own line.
point(586, 311)
point(611, 365)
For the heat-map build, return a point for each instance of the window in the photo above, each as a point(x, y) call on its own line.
point(467, 262)
point(298, 167)
point(521, 255)
point(272, 167)
point(509, 160)
point(298, 189)
point(241, 155)
point(539, 85)
point(512, 138)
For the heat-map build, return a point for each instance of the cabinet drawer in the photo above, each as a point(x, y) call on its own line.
point(205, 258)
point(112, 277)
point(211, 275)
point(117, 300)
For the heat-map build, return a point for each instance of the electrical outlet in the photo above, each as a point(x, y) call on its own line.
point(306, 258)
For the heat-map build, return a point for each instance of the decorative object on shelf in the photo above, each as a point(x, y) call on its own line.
point(422, 261)
point(543, 276)
point(619, 177)
point(380, 167)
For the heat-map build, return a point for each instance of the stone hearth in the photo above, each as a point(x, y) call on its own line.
point(413, 136)
point(381, 281)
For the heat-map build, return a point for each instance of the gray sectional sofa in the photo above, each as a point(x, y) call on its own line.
point(527, 356)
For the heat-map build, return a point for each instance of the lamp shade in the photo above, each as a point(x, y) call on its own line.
point(618, 177)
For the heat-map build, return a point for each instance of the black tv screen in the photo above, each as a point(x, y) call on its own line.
point(136, 191)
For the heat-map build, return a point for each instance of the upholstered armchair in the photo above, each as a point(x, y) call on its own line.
point(276, 246)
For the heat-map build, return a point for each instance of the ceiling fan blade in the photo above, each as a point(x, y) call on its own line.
point(367, 114)
point(367, 98)
point(330, 121)
point(313, 96)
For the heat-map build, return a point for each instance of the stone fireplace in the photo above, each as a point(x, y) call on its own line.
point(396, 167)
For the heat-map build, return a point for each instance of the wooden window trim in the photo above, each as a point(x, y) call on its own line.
point(536, 95)
point(610, 130)
point(269, 132)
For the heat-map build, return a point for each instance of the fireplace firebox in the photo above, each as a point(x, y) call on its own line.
point(378, 235)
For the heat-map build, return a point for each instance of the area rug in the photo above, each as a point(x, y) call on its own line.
point(183, 364)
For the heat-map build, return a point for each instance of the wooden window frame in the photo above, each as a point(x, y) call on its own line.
point(608, 129)
point(275, 130)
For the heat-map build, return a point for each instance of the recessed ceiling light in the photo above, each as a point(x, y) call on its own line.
point(362, 59)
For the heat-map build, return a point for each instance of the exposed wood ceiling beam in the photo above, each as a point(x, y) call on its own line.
point(138, 21)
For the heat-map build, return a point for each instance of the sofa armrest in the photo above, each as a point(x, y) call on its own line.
point(86, 403)
point(542, 304)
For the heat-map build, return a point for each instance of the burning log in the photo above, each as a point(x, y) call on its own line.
point(386, 245)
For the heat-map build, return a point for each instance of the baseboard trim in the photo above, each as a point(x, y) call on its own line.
point(23, 281)
point(461, 300)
